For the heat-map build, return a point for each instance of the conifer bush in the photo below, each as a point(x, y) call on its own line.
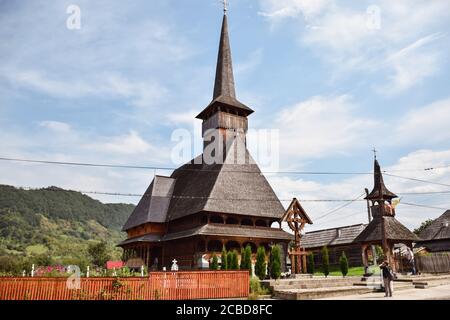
point(248, 259)
point(343, 262)
point(260, 266)
point(214, 262)
point(230, 260)
point(234, 260)
point(223, 258)
point(325, 261)
point(311, 266)
point(275, 263)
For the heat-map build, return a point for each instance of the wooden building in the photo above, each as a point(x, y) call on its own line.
point(337, 240)
point(206, 205)
point(384, 229)
point(436, 237)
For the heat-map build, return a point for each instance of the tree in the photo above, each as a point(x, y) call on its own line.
point(229, 260)
point(343, 262)
point(242, 264)
point(424, 224)
point(310, 268)
point(325, 261)
point(223, 257)
point(275, 263)
point(98, 253)
point(260, 266)
point(214, 262)
point(247, 259)
point(234, 260)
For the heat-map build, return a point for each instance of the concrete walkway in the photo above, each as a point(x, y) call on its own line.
point(431, 293)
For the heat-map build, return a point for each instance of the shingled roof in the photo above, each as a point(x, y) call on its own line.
point(331, 237)
point(379, 186)
point(227, 188)
point(216, 230)
point(394, 231)
point(231, 231)
point(154, 203)
point(438, 229)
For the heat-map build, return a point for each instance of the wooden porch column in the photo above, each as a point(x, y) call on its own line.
point(364, 255)
point(392, 260)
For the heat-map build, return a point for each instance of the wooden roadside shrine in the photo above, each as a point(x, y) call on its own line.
point(296, 219)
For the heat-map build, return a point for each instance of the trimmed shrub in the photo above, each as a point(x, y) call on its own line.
point(325, 261)
point(343, 263)
point(242, 264)
point(229, 260)
point(310, 268)
point(224, 259)
point(214, 262)
point(275, 263)
point(248, 259)
point(260, 266)
point(234, 265)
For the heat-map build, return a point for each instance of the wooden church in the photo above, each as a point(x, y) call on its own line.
point(206, 205)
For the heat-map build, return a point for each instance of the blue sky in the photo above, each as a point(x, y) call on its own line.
point(334, 84)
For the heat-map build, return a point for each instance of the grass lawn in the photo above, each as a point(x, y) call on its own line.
point(352, 271)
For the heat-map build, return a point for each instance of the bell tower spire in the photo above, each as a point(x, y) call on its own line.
point(224, 95)
point(224, 84)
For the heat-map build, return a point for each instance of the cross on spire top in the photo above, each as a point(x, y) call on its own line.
point(225, 6)
point(375, 153)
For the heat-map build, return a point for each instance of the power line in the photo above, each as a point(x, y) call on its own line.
point(423, 193)
point(119, 166)
point(340, 207)
point(424, 206)
point(122, 194)
point(418, 180)
point(182, 196)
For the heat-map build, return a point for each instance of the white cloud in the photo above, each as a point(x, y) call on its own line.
point(253, 60)
point(321, 126)
point(279, 9)
point(411, 65)
point(349, 188)
point(131, 143)
point(429, 123)
point(187, 117)
point(106, 86)
point(403, 49)
point(56, 126)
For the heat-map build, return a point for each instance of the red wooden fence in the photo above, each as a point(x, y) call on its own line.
point(157, 286)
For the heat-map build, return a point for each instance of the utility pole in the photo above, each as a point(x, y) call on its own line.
point(369, 217)
point(384, 241)
point(368, 205)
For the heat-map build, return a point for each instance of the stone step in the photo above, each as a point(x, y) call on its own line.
point(305, 283)
point(308, 294)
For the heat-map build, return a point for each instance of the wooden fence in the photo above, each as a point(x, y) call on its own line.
point(434, 263)
point(157, 286)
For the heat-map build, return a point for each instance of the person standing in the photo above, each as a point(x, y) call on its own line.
point(411, 261)
point(387, 279)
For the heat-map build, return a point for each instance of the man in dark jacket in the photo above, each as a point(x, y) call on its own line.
point(387, 279)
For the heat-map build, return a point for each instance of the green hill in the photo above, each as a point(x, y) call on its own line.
point(57, 223)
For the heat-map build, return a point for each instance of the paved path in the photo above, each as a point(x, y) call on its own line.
point(431, 293)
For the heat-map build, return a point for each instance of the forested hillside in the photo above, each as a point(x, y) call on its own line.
point(57, 224)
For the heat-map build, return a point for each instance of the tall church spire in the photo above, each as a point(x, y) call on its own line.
point(379, 192)
point(224, 84)
point(224, 96)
